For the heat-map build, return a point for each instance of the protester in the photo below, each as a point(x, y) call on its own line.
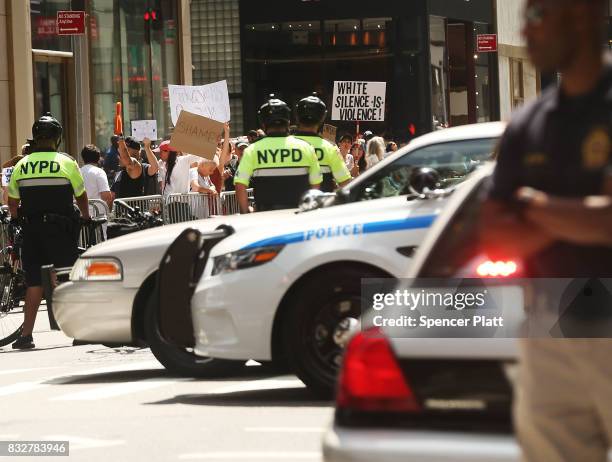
point(111, 158)
point(130, 181)
point(359, 160)
point(96, 182)
point(200, 178)
point(232, 165)
point(344, 146)
point(375, 151)
point(391, 147)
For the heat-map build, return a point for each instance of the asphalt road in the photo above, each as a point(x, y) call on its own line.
point(120, 404)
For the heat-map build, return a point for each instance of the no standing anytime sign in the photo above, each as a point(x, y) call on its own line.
point(70, 22)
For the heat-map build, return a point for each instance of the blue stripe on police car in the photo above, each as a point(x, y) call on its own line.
point(330, 232)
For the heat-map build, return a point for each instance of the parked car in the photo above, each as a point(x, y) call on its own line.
point(108, 299)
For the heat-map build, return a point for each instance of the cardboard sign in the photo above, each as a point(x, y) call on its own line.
point(486, 43)
point(359, 101)
point(6, 175)
point(329, 133)
point(197, 135)
point(211, 101)
point(70, 22)
point(142, 129)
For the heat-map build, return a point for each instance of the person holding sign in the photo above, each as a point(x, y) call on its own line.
point(311, 113)
point(281, 167)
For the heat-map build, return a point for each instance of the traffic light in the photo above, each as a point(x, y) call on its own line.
point(151, 16)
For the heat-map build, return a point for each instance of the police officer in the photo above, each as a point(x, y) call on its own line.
point(551, 207)
point(41, 192)
point(311, 113)
point(281, 168)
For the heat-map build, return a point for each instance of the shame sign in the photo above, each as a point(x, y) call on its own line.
point(279, 155)
point(40, 166)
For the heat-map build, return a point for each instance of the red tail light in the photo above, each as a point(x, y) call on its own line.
point(496, 269)
point(371, 379)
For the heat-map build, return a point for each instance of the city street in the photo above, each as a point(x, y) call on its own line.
point(120, 404)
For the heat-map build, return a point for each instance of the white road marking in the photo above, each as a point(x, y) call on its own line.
point(251, 456)
point(114, 390)
point(284, 429)
point(266, 384)
point(18, 371)
point(22, 387)
point(77, 442)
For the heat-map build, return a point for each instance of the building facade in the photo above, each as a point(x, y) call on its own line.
point(130, 53)
point(423, 49)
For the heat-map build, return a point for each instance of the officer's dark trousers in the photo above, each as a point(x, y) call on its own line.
point(47, 244)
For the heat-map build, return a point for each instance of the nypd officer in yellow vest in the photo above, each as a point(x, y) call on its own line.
point(281, 168)
point(311, 113)
point(41, 192)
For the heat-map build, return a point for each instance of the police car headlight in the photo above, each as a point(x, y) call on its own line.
point(97, 269)
point(247, 258)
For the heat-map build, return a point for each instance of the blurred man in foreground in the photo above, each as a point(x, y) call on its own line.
point(550, 205)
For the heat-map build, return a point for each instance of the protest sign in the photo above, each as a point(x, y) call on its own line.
point(6, 175)
point(142, 129)
point(359, 101)
point(211, 101)
point(197, 135)
point(329, 133)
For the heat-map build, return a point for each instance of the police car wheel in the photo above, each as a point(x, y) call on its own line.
point(179, 360)
point(324, 314)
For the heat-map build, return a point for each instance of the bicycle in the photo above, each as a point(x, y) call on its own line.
point(12, 280)
point(136, 220)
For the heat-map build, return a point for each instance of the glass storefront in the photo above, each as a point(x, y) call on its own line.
point(426, 54)
point(43, 16)
point(134, 56)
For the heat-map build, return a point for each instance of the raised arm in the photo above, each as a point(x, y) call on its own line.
point(225, 150)
point(152, 160)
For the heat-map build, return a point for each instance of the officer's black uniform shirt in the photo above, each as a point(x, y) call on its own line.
point(561, 146)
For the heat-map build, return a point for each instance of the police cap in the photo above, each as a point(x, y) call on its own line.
point(47, 128)
point(274, 112)
point(311, 110)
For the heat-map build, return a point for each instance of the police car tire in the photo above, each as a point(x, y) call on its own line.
point(178, 360)
point(315, 292)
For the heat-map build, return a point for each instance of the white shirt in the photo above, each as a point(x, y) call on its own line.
point(203, 181)
point(349, 162)
point(95, 181)
point(372, 160)
point(180, 178)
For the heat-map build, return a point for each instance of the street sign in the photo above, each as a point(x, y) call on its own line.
point(486, 43)
point(70, 22)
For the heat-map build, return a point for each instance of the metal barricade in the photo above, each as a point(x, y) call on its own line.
point(230, 204)
point(94, 233)
point(145, 204)
point(180, 208)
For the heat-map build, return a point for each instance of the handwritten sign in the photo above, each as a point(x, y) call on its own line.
point(6, 175)
point(329, 133)
point(197, 135)
point(359, 101)
point(211, 101)
point(142, 129)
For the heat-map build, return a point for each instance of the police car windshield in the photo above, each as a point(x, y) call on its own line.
point(452, 161)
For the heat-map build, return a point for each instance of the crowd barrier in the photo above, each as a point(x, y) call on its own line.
point(93, 234)
point(145, 204)
point(179, 208)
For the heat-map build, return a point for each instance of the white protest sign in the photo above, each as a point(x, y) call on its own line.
point(142, 129)
point(359, 101)
point(211, 101)
point(6, 175)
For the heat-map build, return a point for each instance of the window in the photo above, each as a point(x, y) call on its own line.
point(517, 85)
point(453, 162)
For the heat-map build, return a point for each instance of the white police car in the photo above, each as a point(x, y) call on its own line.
point(274, 285)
